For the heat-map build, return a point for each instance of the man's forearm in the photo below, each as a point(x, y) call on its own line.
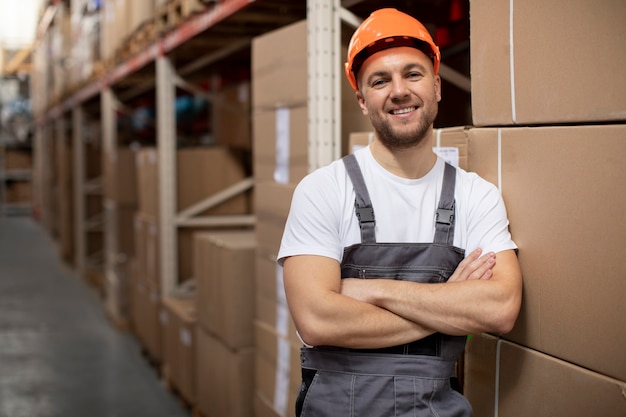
point(456, 308)
point(346, 322)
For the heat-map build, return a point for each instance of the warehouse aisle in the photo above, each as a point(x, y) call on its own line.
point(59, 355)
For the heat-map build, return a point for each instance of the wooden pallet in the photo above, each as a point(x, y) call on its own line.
point(191, 7)
point(144, 36)
point(174, 12)
point(169, 16)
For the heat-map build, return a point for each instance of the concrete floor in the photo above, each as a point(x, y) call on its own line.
point(59, 354)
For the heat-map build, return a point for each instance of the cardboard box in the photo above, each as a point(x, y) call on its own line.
point(264, 408)
point(147, 249)
point(152, 316)
point(146, 311)
point(233, 120)
point(147, 181)
point(272, 203)
point(225, 285)
point(358, 140)
point(204, 171)
point(451, 144)
point(119, 236)
point(137, 303)
point(539, 69)
point(147, 246)
point(278, 373)
point(120, 176)
point(178, 322)
point(118, 293)
point(560, 185)
point(224, 378)
point(280, 151)
point(271, 303)
point(17, 159)
point(505, 379)
point(279, 75)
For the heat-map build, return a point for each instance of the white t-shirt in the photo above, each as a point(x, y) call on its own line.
point(322, 220)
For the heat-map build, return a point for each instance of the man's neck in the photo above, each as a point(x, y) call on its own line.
point(411, 163)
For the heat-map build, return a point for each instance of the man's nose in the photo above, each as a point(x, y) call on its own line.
point(399, 87)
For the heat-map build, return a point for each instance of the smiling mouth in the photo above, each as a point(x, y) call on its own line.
point(403, 111)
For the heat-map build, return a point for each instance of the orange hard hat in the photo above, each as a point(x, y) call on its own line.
point(387, 28)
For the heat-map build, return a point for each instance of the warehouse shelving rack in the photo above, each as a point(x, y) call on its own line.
point(162, 68)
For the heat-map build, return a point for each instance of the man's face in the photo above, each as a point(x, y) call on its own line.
point(399, 92)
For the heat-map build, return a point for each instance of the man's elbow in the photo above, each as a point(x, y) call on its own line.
point(312, 333)
point(505, 317)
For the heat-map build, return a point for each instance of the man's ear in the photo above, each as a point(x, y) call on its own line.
point(438, 87)
point(361, 100)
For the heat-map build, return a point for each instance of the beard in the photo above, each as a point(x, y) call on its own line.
point(407, 136)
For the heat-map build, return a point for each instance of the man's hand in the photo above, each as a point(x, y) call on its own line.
point(475, 266)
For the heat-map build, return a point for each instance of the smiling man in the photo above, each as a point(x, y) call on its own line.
point(391, 256)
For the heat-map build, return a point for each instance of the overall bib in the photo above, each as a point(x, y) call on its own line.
point(411, 380)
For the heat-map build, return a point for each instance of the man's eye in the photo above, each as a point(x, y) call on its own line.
point(377, 83)
point(414, 75)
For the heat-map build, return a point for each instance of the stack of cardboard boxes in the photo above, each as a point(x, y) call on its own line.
point(224, 266)
point(119, 205)
point(201, 172)
point(549, 111)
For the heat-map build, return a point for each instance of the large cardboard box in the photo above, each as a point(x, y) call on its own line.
point(225, 285)
point(272, 203)
point(562, 187)
point(278, 373)
point(178, 331)
point(542, 62)
point(506, 379)
point(279, 75)
point(224, 377)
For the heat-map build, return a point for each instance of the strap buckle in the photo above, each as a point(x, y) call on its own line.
point(365, 214)
point(445, 216)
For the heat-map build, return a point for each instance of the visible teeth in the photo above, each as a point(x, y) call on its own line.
point(403, 111)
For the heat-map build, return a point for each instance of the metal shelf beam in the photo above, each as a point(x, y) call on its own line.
point(166, 149)
point(324, 45)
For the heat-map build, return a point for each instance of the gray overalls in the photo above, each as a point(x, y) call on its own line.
point(399, 381)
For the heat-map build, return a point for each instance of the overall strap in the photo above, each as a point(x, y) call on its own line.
point(362, 203)
point(444, 223)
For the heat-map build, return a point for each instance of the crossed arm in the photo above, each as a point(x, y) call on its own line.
point(483, 295)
